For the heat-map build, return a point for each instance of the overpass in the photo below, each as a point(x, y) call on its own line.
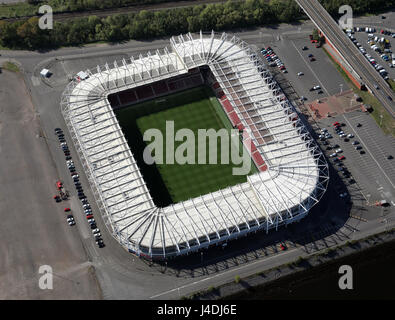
point(365, 73)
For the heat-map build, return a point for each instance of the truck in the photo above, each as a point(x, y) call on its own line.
point(64, 194)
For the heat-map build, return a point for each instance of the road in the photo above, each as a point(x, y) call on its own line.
point(123, 276)
point(349, 51)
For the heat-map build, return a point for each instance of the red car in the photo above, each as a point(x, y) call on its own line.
point(336, 124)
point(341, 157)
point(67, 209)
point(282, 247)
point(90, 216)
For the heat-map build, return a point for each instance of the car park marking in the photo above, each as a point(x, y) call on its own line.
point(356, 134)
point(315, 75)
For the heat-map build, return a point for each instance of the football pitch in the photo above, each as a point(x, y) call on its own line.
point(193, 109)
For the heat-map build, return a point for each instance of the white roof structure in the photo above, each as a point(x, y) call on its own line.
point(293, 173)
point(82, 75)
point(44, 72)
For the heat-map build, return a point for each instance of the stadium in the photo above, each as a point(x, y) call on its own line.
point(290, 173)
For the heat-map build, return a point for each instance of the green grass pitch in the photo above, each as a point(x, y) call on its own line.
point(194, 109)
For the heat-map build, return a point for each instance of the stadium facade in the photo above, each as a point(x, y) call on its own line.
point(293, 173)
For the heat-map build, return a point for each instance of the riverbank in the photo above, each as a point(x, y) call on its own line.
point(316, 276)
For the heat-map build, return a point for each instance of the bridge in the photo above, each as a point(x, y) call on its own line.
point(365, 73)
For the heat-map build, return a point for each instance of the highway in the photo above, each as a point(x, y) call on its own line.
point(369, 76)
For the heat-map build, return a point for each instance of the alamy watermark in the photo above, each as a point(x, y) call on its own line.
point(46, 20)
point(193, 150)
point(45, 282)
point(346, 280)
point(346, 20)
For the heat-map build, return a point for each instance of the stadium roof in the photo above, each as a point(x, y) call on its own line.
point(293, 174)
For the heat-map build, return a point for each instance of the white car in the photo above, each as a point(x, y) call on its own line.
point(342, 135)
point(97, 230)
point(91, 220)
point(350, 135)
point(97, 235)
point(333, 155)
point(300, 73)
point(316, 87)
point(338, 150)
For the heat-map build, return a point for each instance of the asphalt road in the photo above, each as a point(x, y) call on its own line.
point(123, 276)
point(349, 51)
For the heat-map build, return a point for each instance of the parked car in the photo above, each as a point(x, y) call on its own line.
point(97, 230)
point(300, 73)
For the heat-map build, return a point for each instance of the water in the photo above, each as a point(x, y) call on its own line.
point(373, 278)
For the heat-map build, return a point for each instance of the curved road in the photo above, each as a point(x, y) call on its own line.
point(369, 76)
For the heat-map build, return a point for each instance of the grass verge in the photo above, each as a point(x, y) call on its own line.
point(10, 66)
point(392, 84)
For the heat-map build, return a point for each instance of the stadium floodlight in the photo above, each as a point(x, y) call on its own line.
point(293, 174)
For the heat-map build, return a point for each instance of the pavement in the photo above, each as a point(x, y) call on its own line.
point(123, 276)
point(34, 231)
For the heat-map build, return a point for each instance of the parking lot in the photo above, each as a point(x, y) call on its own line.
point(372, 172)
point(319, 72)
point(34, 230)
point(366, 42)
